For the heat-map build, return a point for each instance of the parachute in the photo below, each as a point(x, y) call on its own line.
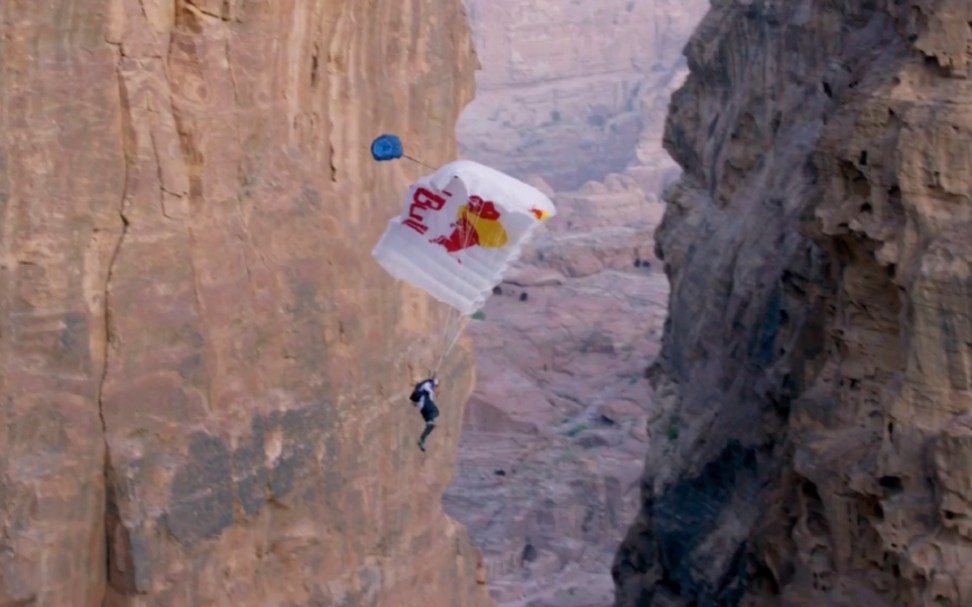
point(459, 230)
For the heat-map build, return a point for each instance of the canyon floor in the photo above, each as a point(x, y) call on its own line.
point(554, 437)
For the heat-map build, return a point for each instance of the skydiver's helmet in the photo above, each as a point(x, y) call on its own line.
point(435, 382)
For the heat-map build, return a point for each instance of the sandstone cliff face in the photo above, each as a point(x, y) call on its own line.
point(202, 371)
point(812, 441)
point(572, 91)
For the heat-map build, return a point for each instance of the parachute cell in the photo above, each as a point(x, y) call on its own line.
point(459, 231)
point(386, 147)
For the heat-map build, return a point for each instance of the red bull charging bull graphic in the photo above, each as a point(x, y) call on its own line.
point(477, 224)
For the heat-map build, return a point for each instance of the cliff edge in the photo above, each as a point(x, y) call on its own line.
point(203, 373)
point(811, 442)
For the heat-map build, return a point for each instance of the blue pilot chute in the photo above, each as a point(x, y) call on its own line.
point(386, 147)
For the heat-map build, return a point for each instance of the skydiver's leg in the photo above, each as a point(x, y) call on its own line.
point(429, 413)
point(429, 427)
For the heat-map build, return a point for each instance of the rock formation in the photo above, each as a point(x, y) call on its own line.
point(202, 371)
point(810, 440)
point(572, 91)
point(550, 456)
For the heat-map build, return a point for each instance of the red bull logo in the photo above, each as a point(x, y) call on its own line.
point(477, 224)
point(422, 200)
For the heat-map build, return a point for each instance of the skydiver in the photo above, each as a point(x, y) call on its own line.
point(424, 398)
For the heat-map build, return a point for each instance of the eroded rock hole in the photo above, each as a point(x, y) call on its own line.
point(891, 483)
point(529, 553)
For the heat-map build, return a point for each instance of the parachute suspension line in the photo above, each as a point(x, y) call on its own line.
point(450, 345)
point(416, 160)
point(450, 327)
point(456, 319)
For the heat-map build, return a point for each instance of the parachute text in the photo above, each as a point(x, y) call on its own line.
point(423, 199)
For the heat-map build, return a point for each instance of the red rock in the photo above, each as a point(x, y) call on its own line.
point(203, 371)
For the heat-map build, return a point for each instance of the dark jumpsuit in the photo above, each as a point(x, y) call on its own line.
point(428, 410)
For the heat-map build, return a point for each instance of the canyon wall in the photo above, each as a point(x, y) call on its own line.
point(811, 439)
point(203, 373)
point(572, 91)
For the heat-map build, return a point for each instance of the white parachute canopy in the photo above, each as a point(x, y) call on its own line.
point(459, 231)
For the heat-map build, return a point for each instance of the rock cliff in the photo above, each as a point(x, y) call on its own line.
point(202, 371)
point(811, 441)
point(572, 91)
